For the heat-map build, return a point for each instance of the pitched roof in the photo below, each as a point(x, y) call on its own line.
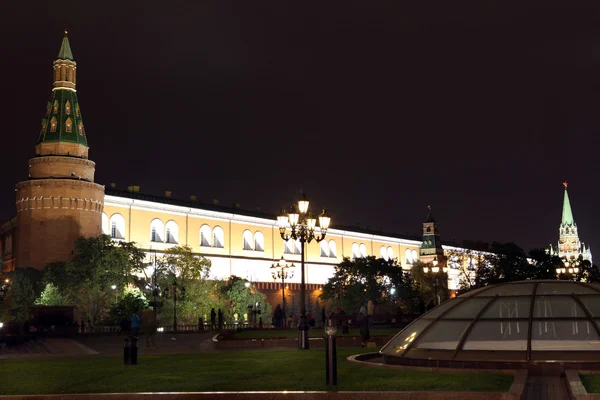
point(567, 214)
point(65, 50)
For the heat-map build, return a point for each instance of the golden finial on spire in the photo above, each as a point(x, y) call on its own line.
point(66, 33)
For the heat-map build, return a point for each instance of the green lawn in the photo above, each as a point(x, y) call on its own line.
point(591, 383)
point(227, 371)
point(316, 332)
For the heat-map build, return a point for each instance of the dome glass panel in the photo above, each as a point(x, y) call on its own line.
point(493, 323)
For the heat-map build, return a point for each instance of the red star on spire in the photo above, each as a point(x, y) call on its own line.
point(565, 184)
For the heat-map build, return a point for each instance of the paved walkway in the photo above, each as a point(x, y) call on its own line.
point(545, 388)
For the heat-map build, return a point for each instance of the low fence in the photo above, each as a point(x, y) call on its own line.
point(166, 328)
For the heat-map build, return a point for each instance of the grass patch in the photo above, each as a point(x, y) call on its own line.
point(591, 382)
point(227, 371)
point(293, 333)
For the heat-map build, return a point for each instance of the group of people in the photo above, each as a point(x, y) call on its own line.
point(213, 319)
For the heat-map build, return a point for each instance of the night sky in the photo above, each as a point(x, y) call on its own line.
point(375, 108)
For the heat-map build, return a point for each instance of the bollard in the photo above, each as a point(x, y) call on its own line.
point(127, 352)
point(330, 355)
point(134, 350)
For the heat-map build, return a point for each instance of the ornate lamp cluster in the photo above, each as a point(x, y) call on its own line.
point(302, 223)
point(571, 270)
point(435, 269)
point(282, 270)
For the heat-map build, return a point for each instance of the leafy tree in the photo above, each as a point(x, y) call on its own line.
point(471, 266)
point(51, 296)
point(132, 301)
point(543, 265)
point(360, 280)
point(98, 264)
point(238, 296)
point(23, 289)
point(426, 284)
point(507, 263)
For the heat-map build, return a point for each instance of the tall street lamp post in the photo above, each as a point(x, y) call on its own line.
point(282, 271)
point(114, 287)
point(175, 290)
point(302, 226)
point(435, 270)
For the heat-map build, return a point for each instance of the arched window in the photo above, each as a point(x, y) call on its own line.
point(332, 248)
point(77, 109)
point(55, 107)
point(69, 125)
point(383, 253)
point(428, 230)
point(117, 226)
point(68, 107)
point(298, 247)
point(205, 236)
point(172, 232)
point(80, 127)
point(218, 237)
point(324, 249)
point(390, 253)
point(259, 241)
point(247, 240)
point(363, 250)
point(408, 256)
point(355, 251)
point(415, 256)
point(104, 224)
point(53, 124)
point(157, 230)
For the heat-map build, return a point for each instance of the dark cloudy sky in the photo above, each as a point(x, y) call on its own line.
point(375, 108)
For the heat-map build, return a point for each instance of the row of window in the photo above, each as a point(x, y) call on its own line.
point(215, 237)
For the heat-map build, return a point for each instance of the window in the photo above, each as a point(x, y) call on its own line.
point(383, 253)
point(53, 124)
point(259, 241)
point(172, 232)
point(247, 240)
point(80, 127)
point(408, 256)
point(390, 253)
point(77, 110)
point(69, 125)
point(332, 248)
point(66, 74)
point(55, 107)
point(287, 247)
point(218, 237)
point(104, 224)
point(324, 249)
point(157, 230)
point(355, 251)
point(298, 247)
point(117, 226)
point(68, 107)
point(415, 256)
point(44, 122)
point(205, 236)
point(363, 250)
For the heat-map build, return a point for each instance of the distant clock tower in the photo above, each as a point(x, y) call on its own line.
point(432, 245)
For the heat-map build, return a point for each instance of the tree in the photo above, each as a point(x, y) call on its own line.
point(98, 264)
point(543, 265)
point(470, 265)
point(24, 287)
point(132, 301)
point(238, 297)
point(507, 263)
point(428, 284)
point(51, 296)
point(360, 280)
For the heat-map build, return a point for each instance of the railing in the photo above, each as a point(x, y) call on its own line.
point(166, 328)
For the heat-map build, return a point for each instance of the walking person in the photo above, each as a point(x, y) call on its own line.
point(362, 320)
point(220, 315)
point(213, 319)
point(136, 322)
point(278, 316)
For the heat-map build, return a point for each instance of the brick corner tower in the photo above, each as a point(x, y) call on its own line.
point(60, 201)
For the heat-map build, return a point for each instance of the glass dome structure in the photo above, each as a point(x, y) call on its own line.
point(527, 321)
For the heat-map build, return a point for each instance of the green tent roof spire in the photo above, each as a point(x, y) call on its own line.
point(567, 214)
point(65, 49)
